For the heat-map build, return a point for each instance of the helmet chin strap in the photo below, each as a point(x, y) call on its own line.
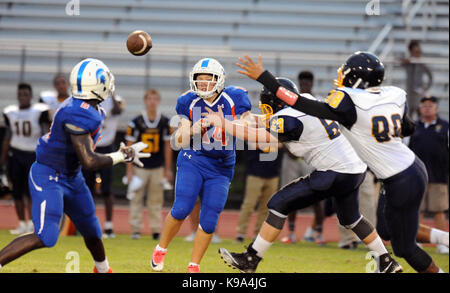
point(99, 97)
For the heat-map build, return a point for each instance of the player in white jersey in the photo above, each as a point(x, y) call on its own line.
point(54, 99)
point(374, 120)
point(25, 123)
point(338, 173)
point(113, 107)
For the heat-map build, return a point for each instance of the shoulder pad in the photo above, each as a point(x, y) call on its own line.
point(41, 107)
point(10, 108)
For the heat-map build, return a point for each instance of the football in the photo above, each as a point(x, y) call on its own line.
point(139, 43)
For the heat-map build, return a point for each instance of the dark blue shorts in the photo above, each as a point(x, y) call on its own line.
point(19, 165)
point(305, 191)
point(399, 205)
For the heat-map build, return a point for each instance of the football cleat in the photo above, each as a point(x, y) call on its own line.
point(388, 265)
point(110, 271)
point(245, 262)
point(289, 239)
point(193, 269)
point(157, 261)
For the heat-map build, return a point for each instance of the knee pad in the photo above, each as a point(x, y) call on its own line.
point(362, 228)
point(275, 219)
point(180, 212)
point(208, 221)
point(49, 236)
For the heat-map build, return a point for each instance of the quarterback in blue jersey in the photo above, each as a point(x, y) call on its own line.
point(56, 183)
point(205, 164)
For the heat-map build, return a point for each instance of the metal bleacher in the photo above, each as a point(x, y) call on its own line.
point(38, 39)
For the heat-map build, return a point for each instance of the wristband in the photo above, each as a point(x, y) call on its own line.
point(117, 157)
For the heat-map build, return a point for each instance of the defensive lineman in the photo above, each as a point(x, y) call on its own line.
point(374, 120)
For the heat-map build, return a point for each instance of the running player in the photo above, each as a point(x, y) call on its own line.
point(55, 179)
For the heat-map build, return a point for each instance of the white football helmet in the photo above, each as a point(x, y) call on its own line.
point(207, 66)
point(91, 79)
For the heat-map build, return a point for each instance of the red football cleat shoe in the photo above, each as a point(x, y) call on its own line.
point(108, 272)
point(193, 269)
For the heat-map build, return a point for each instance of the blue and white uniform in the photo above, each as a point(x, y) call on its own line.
point(56, 183)
point(207, 167)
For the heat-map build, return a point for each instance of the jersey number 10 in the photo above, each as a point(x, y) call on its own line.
point(26, 128)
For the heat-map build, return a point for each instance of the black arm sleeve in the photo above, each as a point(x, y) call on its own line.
point(408, 125)
point(311, 107)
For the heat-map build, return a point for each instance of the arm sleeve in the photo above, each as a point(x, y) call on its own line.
point(45, 117)
point(408, 125)
point(346, 114)
point(5, 117)
point(285, 128)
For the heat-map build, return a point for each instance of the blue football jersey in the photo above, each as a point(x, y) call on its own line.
point(214, 142)
point(74, 116)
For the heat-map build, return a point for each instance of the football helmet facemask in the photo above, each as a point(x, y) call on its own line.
point(361, 70)
point(207, 66)
point(91, 79)
point(269, 103)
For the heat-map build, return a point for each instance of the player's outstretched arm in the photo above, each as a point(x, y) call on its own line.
point(90, 160)
point(256, 71)
point(237, 129)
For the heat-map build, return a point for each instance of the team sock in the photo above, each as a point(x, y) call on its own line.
point(260, 245)
point(108, 225)
point(102, 266)
point(377, 246)
point(160, 248)
point(438, 237)
point(194, 264)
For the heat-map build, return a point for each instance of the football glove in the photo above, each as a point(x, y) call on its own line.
point(133, 153)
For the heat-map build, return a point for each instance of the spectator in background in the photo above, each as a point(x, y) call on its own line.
point(152, 128)
point(415, 87)
point(54, 99)
point(430, 143)
point(25, 124)
point(294, 168)
point(100, 182)
point(262, 182)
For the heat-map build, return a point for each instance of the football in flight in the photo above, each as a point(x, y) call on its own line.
point(139, 43)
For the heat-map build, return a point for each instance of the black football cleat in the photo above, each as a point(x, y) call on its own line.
point(387, 265)
point(246, 262)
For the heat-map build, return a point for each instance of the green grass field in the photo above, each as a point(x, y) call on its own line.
point(132, 256)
